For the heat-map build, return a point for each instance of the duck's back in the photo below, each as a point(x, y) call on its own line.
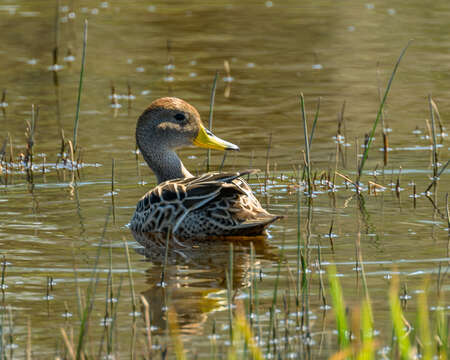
point(213, 204)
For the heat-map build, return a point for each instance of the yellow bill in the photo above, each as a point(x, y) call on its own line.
point(207, 139)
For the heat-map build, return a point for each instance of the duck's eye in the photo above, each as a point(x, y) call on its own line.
point(180, 117)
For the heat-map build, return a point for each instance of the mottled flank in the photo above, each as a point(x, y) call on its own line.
point(213, 204)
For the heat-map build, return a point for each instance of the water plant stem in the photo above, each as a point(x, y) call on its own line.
point(130, 277)
point(113, 176)
point(379, 113)
point(305, 133)
point(339, 309)
point(80, 85)
point(86, 313)
point(210, 118)
point(433, 133)
point(229, 279)
point(267, 170)
point(166, 255)
point(398, 321)
point(313, 128)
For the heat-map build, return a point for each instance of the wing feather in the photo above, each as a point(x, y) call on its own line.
point(197, 192)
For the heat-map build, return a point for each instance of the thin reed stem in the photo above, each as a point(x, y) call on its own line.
point(113, 176)
point(148, 329)
point(305, 133)
point(223, 161)
point(313, 128)
point(380, 111)
point(90, 297)
point(80, 85)
point(433, 133)
point(229, 279)
point(2, 284)
point(166, 256)
point(114, 320)
point(436, 178)
point(267, 171)
point(210, 118)
point(130, 278)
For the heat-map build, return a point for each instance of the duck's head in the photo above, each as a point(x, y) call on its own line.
point(171, 123)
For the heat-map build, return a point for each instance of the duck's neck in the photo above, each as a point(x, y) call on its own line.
point(165, 163)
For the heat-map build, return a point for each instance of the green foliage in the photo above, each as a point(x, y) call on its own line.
point(442, 335)
point(367, 346)
point(401, 336)
point(339, 309)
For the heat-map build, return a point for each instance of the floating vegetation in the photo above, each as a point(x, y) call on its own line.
point(27, 164)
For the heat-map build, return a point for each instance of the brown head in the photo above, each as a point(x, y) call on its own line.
point(167, 124)
point(171, 123)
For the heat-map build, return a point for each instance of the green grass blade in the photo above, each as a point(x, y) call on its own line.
point(305, 133)
point(442, 335)
point(400, 333)
point(80, 85)
point(367, 347)
point(229, 280)
point(339, 309)
point(114, 319)
point(380, 111)
point(273, 307)
point(90, 295)
point(130, 278)
point(210, 119)
point(423, 325)
point(433, 134)
point(313, 128)
point(299, 256)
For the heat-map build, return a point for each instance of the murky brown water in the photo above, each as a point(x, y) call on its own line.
point(275, 50)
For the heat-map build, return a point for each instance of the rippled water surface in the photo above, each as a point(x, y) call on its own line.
point(52, 224)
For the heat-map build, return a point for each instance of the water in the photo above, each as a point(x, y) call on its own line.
point(339, 51)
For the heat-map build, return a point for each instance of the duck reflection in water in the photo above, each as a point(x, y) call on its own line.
point(195, 279)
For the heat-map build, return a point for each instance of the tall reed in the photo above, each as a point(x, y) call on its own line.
point(307, 148)
point(210, 117)
point(86, 312)
point(379, 113)
point(80, 85)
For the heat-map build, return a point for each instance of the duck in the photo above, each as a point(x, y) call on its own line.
point(211, 205)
